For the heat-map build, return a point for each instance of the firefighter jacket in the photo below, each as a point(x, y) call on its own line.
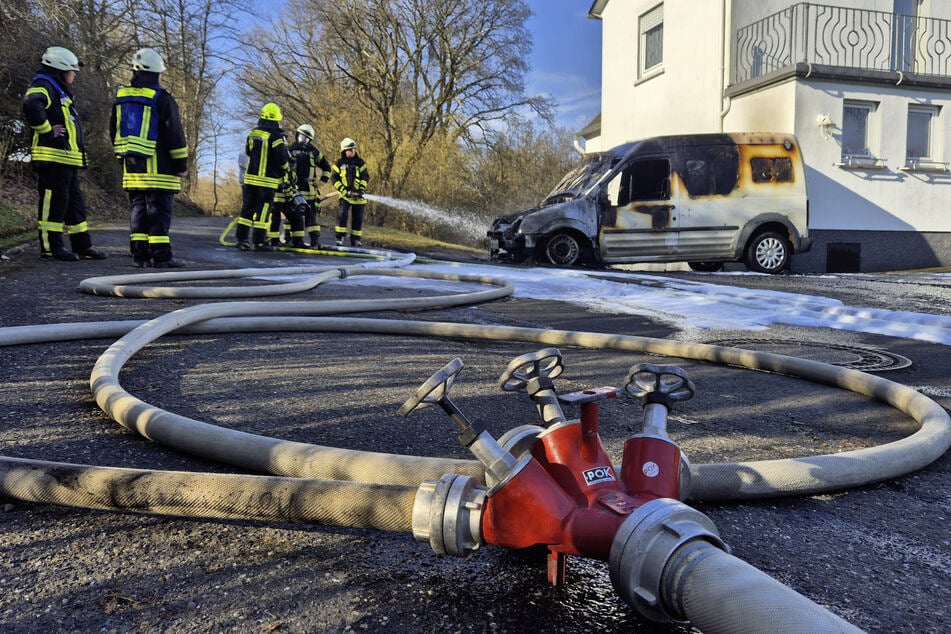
point(48, 102)
point(147, 135)
point(268, 161)
point(309, 165)
point(350, 178)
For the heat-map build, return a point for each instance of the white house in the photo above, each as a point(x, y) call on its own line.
point(865, 85)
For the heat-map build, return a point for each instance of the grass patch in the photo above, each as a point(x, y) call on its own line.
point(406, 241)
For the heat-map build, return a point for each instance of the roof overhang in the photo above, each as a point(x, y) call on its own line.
point(597, 8)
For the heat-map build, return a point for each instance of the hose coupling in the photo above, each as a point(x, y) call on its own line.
point(645, 543)
point(448, 514)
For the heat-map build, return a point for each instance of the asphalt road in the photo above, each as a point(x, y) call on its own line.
point(878, 556)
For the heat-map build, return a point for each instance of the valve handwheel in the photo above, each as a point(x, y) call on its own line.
point(545, 363)
point(434, 389)
point(667, 380)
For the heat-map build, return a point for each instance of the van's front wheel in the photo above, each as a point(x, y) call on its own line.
point(768, 252)
point(563, 249)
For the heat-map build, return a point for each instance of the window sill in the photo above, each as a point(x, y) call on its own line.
point(862, 163)
point(651, 74)
point(918, 165)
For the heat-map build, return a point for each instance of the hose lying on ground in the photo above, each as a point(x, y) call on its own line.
point(710, 482)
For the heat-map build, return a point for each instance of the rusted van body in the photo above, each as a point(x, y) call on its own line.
point(704, 199)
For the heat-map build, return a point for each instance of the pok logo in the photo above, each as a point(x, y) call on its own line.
point(598, 475)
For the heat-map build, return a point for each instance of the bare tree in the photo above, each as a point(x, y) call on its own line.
point(413, 72)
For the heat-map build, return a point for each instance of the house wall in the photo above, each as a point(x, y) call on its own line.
point(890, 199)
point(685, 96)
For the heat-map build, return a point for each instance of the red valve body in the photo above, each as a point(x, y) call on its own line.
point(651, 467)
point(568, 496)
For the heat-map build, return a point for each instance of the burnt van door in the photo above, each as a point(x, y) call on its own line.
point(711, 210)
point(638, 215)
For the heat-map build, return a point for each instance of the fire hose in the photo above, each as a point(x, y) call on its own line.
point(362, 489)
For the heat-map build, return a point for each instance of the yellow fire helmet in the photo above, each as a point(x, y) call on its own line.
point(271, 112)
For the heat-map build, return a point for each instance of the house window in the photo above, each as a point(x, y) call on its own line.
point(856, 116)
point(920, 131)
point(651, 43)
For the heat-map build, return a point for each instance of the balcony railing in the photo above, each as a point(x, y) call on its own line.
point(838, 36)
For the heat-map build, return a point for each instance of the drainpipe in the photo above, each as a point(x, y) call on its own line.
point(724, 48)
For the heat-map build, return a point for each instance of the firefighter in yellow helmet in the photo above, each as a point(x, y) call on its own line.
point(148, 137)
point(268, 171)
point(350, 178)
point(57, 154)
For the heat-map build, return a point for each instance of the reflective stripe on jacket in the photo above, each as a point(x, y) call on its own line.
point(267, 156)
point(309, 165)
point(351, 174)
point(147, 134)
point(46, 104)
point(136, 121)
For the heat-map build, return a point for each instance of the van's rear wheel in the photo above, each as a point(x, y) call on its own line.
point(768, 252)
point(563, 249)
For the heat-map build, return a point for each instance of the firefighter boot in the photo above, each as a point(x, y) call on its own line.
point(52, 248)
point(241, 235)
point(141, 254)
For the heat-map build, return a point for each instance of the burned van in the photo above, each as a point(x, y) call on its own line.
point(704, 199)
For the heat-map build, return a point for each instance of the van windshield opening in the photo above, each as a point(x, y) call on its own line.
point(581, 179)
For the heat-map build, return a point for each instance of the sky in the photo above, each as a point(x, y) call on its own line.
point(566, 59)
point(690, 305)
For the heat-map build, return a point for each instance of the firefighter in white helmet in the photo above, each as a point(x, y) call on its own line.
point(148, 137)
point(350, 178)
point(309, 166)
point(57, 154)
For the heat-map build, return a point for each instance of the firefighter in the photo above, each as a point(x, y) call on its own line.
point(350, 178)
point(57, 155)
point(268, 170)
point(310, 165)
point(148, 138)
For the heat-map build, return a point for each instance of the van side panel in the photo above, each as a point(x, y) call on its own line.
point(769, 188)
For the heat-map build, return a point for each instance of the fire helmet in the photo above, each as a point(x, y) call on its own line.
point(348, 144)
point(307, 130)
point(60, 58)
point(271, 112)
point(148, 59)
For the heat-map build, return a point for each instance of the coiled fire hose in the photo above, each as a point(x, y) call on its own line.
point(369, 490)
